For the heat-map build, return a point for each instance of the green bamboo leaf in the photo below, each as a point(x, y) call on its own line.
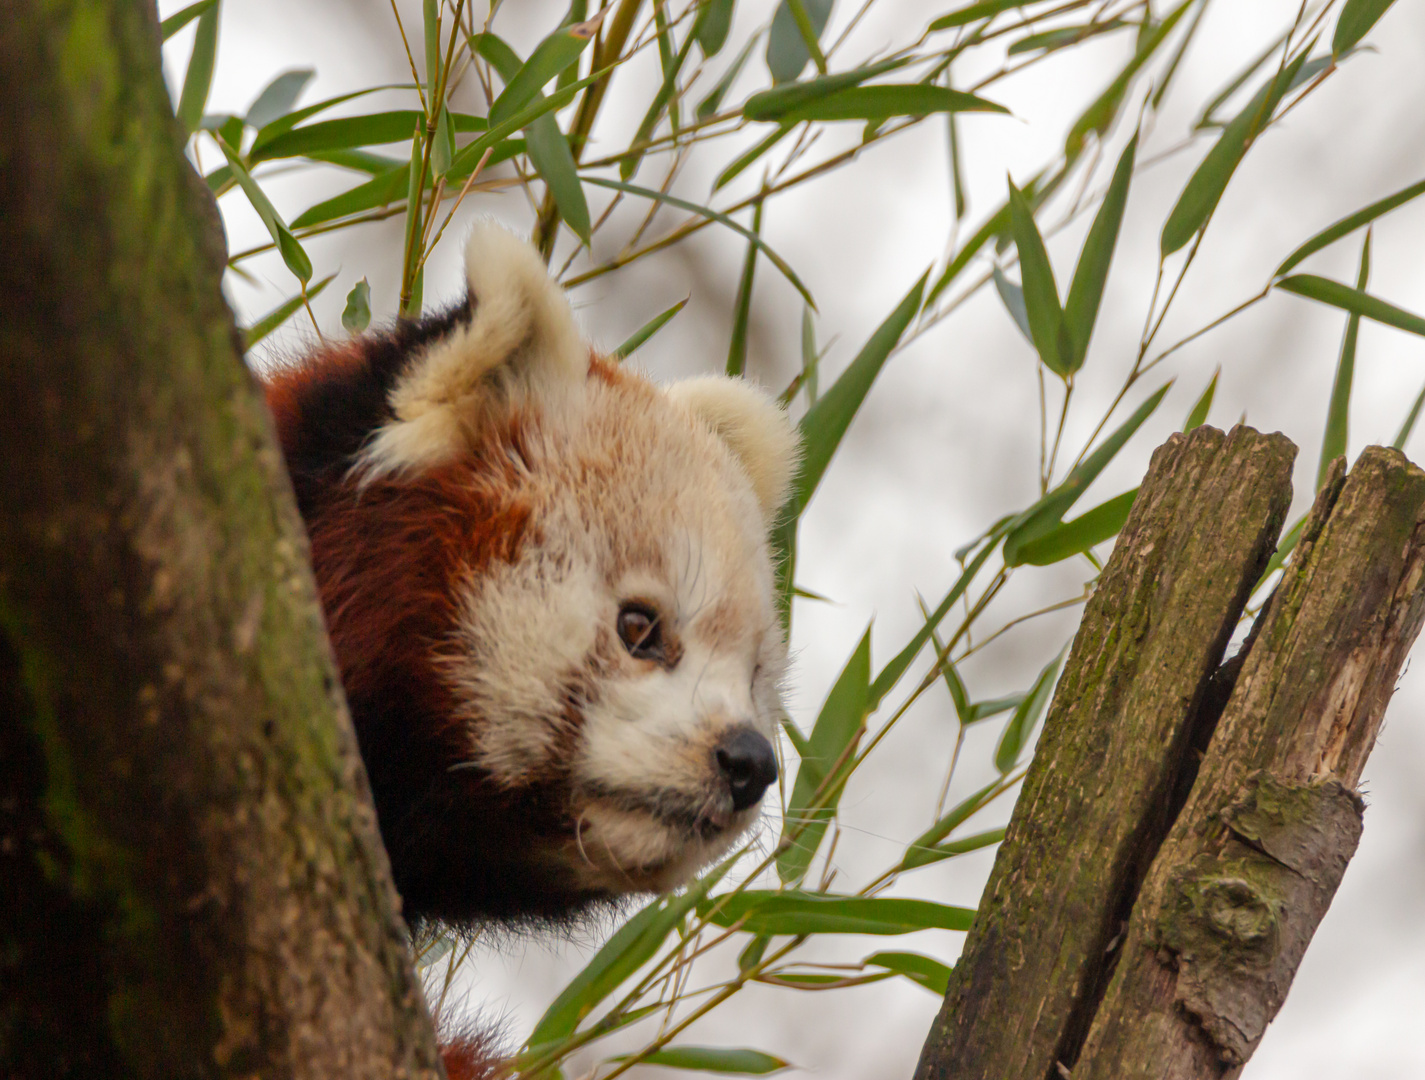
point(1013, 298)
point(1166, 79)
point(1285, 546)
point(1198, 415)
point(1346, 298)
point(357, 160)
point(1408, 425)
point(722, 219)
point(742, 306)
point(280, 314)
point(983, 710)
point(1099, 116)
point(957, 172)
point(442, 149)
point(983, 10)
point(952, 848)
point(1335, 437)
point(1048, 511)
point(1207, 118)
point(663, 101)
point(796, 738)
point(781, 100)
point(469, 156)
point(1357, 18)
point(890, 99)
point(1041, 294)
point(179, 19)
point(199, 78)
point(710, 104)
point(711, 26)
point(1351, 223)
point(1086, 288)
point(1082, 533)
point(292, 252)
point(647, 330)
point(825, 423)
point(1204, 189)
point(929, 973)
point(997, 223)
point(350, 132)
point(381, 190)
point(550, 57)
point(752, 954)
point(750, 156)
point(430, 11)
point(712, 1059)
point(919, 851)
point(1024, 719)
point(811, 361)
point(283, 124)
point(892, 672)
point(356, 316)
point(1065, 36)
point(787, 52)
point(632, 946)
point(277, 97)
point(794, 912)
point(838, 727)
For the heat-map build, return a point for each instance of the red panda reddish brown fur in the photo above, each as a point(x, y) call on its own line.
point(548, 587)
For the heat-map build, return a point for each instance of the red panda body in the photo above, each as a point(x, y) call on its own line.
point(548, 588)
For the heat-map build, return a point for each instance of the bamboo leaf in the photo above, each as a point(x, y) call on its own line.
point(356, 316)
point(1208, 116)
point(1198, 415)
point(198, 80)
point(1024, 719)
point(929, 973)
point(890, 99)
point(1045, 514)
point(787, 52)
point(742, 306)
point(1403, 435)
point(1082, 533)
point(1041, 294)
point(722, 219)
point(1346, 298)
point(838, 726)
point(1099, 116)
point(1334, 439)
point(740, 163)
point(278, 97)
point(1357, 18)
point(825, 423)
point(1351, 223)
point(710, 104)
point(711, 26)
point(280, 314)
point(983, 10)
point(469, 156)
point(1285, 546)
point(632, 946)
point(1204, 189)
point(663, 101)
point(1091, 273)
point(997, 223)
point(781, 100)
point(647, 330)
point(1012, 296)
point(727, 1061)
point(179, 19)
point(794, 912)
point(550, 57)
point(350, 132)
point(1065, 36)
point(292, 252)
point(963, 846)
point(918, 852)
point(283, 124)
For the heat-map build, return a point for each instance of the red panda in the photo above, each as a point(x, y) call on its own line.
point(548, 585)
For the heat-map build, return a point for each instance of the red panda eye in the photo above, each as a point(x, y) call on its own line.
point(640, 631)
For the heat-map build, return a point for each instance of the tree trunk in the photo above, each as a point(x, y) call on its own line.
point(1146, 914)
point(193, 880)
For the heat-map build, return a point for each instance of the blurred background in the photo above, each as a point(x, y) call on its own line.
point(948, 440)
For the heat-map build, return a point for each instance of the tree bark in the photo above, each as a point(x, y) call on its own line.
point(1146, 914)
point(193, 880)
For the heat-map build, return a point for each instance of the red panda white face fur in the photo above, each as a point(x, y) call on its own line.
point(549, 588)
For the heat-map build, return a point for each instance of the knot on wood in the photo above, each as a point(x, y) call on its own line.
point(1236, 911)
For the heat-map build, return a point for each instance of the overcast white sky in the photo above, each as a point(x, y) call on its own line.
point(946, 443)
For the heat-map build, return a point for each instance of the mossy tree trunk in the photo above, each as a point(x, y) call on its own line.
point(1185, 823)
point(193, 882)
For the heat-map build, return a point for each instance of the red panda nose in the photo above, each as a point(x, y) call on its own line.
point(748, 764)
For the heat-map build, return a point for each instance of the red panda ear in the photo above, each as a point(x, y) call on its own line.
point(521, 330)
point(754, 427)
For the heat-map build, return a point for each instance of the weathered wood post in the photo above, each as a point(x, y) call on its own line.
point(1150, 904)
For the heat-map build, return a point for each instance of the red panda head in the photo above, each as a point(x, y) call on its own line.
point(550, 592)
